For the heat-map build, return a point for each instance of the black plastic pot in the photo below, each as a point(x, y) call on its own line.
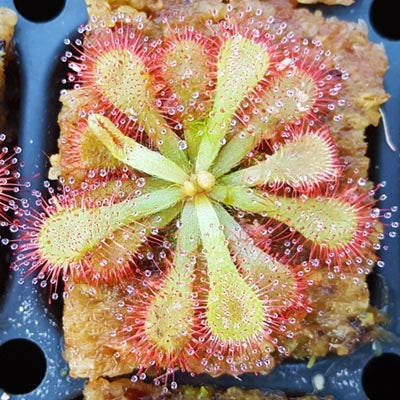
point(31, 344)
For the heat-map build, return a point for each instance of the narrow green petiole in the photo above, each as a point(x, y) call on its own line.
point(306, 161)
point(193, 134)
point(163, 217)
point(213, 240)
point(166, 140)
point(188, 238)
point(234, 152)
point(240, 241)
point(244, 199)
point(326, 221)
point(188, 233)
point(155, 201)
point(242, 64)
point(254, 259)
point(134, 154)
point(234, 311)
point(61, 239)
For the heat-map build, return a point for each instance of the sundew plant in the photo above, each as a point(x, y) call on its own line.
point(205, 182)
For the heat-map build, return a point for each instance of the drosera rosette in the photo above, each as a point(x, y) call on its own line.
point(224, 126)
